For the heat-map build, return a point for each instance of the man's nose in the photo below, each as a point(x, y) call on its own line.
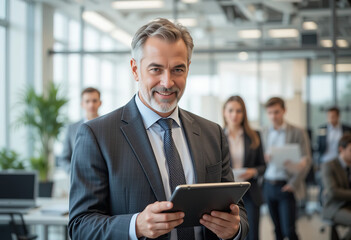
point(167, 80)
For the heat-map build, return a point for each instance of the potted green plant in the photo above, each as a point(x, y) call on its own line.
point(42, 113)
point(10, 159)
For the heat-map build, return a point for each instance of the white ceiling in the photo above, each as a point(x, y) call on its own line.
point(218, 21)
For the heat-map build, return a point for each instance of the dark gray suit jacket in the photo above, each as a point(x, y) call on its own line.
point(115, 173)
point(68, 145)
point(337, 191)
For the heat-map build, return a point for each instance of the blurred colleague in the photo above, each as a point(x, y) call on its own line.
point(330, 134)
point(90, 103)
point(336, 176)
point(246, 157)
point(127, 163)
point(284, 183)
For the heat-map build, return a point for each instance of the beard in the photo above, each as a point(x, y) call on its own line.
point(163, 105)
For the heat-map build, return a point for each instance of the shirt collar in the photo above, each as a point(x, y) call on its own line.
point(337, 127)
point(150, 117)
point(282, 127)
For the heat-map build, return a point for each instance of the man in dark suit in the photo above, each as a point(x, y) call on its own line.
point(90, 103)
point(336, 178)
point(126, 164)
point(329, 135)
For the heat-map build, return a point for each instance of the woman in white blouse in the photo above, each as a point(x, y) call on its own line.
point(247, 158)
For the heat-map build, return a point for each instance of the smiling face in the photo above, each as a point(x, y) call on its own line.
point(162, 74)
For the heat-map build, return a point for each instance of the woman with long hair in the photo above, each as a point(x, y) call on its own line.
point(247, 160)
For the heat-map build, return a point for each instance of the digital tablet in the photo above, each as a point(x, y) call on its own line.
point(197, 199)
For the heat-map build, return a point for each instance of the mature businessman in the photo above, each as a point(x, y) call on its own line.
point(127, 163)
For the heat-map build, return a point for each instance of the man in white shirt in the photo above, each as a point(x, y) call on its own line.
point(330, 134)
point(284, 184)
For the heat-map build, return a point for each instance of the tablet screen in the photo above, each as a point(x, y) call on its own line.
point(197, 199)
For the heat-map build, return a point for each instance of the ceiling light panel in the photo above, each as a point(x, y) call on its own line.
point(190, 1)
point(137, 4)
point(283, 33)
point(340, 67)
point(326, 43)
point(187, 22)
point(309, 25)
point(98, 21)
point(342, 43)
point(250, 34)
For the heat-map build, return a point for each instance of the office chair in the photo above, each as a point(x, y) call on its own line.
point(15, 227)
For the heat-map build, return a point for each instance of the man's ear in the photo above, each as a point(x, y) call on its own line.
point(134, 67)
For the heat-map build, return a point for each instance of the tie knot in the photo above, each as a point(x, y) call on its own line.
point(165, 123)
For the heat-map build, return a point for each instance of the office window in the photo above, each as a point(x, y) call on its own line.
point(344, 93)
point(108, 89)
point(17, 70)
point(60, 27)
point(240, 78)
point(91, 71)
point(73, 87)
point(92, 38)
point(2, 9)
point(73, 36)
point(2, 87)
point(321, 94)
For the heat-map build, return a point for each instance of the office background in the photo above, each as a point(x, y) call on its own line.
point(299, 50)
point(236, 52)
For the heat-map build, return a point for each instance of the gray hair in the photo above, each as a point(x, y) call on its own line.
point(164, 29)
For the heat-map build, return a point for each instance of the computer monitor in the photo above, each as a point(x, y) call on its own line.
point(18, 188)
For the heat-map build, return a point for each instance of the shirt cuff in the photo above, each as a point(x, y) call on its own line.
point(238, 236)
point(132, 232)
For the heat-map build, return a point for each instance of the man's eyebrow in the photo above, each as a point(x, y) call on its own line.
point(180, 66)
point(155, 65)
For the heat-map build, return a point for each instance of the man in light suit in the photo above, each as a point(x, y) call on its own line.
point(336, 176)
point(90, 103)
point(122, 175)
point(284, 185)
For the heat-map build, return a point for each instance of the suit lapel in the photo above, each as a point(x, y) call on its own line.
point(135, 133)
point(193, 135)
point(247, 143)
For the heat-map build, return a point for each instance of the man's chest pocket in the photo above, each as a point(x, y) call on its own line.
point(213, 172)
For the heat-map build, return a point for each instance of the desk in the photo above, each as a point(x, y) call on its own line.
point(36, 217)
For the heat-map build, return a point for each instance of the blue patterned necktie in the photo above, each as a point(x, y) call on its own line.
point(176, 172)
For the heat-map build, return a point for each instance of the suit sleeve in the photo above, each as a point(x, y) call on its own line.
point(89, 214)
point(331, 187)
point(227, 176)
point(65, 159)
point(304, 144)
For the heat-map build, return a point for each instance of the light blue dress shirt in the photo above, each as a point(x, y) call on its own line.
point(276, 138)
point(156, 135)
point(333, 136)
